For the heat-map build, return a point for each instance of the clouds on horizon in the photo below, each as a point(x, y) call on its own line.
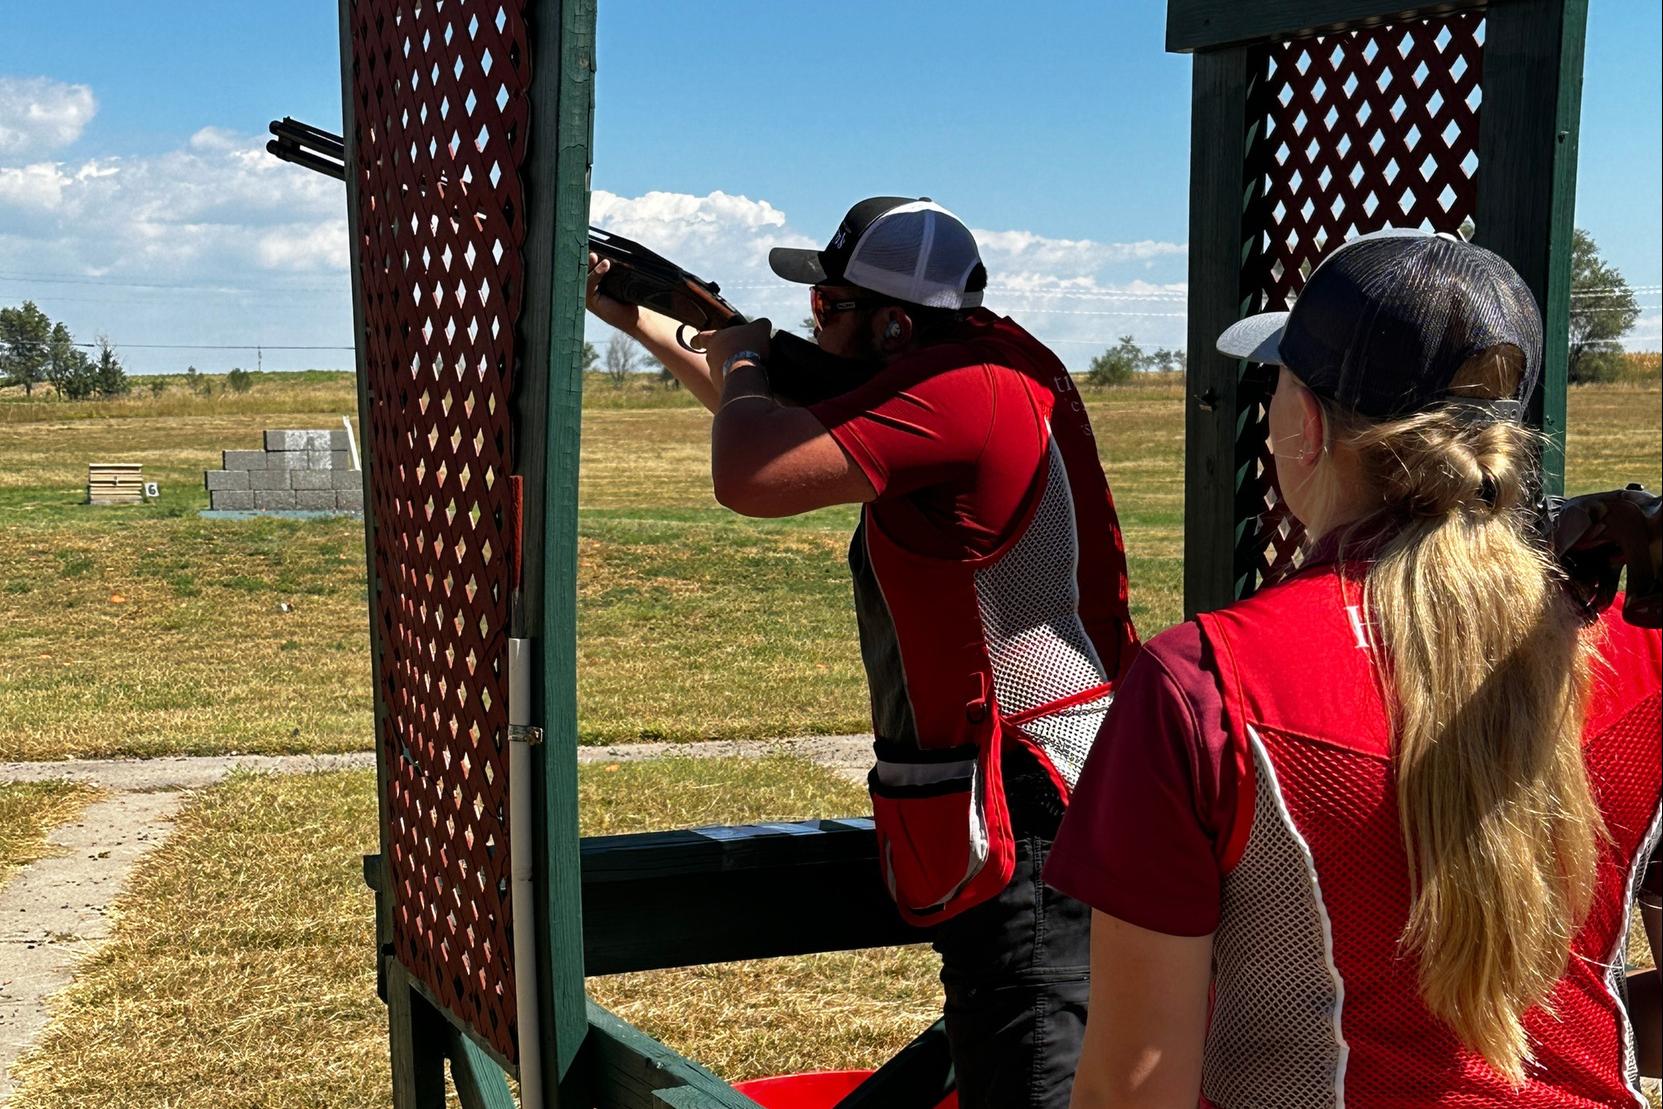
point(216, 241)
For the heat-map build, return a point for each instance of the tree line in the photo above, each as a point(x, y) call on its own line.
point(36, 351)
point(1603, 309)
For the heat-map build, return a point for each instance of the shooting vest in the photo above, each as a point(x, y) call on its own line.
point(1315, 1005)
point(965, 656)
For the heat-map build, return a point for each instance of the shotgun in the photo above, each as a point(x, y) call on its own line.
point(798, 369)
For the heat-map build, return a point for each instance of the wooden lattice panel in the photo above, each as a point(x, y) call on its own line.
point(1356, 131)
point(440, 128)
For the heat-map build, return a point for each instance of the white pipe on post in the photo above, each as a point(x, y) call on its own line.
point(521, 736)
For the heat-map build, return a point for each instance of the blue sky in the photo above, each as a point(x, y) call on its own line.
point(135, 201)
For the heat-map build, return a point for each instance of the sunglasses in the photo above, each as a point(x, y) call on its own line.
point(824, 305)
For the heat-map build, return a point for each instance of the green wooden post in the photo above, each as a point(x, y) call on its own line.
point(548, 410)
point(1220, 192)
point(1523, 199)
point(1528, 135)
point(412, 1028)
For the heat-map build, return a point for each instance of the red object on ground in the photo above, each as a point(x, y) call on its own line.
point(815, 1090)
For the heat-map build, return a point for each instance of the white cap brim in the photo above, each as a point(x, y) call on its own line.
point(1257, 338)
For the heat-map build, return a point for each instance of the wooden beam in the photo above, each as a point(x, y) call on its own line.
point(417, 1068)
point(1527, 148)
point(417, 1034)
point(739, 893)
point(1209, 24)
point(547, 413)
point(480, 1082)
point(1220, 190)
point(627, 1069)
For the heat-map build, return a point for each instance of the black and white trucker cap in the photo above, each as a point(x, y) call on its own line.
point(1385, 322)
point(913, 250)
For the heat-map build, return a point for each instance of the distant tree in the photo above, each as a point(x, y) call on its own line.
point(1116, 365)
point(239, 380)
point(68, 368)
point(157, 386)
point(590, 356)
point(1603, 309)
point(1161, 360)
point(109, 374)
point(623, 358)
point(665, 377)
point(25, 335)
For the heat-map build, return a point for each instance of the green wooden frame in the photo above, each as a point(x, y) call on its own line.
point(727, 884)
point(1526, 186)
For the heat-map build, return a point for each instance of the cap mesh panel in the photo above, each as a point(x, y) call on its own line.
point(887, 257)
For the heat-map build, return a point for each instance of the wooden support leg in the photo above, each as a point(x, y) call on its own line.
point(480, 1083)
point(417, 1037)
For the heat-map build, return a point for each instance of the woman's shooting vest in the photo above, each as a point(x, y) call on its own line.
point(1316, 1002)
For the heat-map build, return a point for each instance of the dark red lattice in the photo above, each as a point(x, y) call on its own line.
point(1356, 131)
point(441, 111)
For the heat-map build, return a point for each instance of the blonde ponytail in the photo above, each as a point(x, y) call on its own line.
point(1487, 672)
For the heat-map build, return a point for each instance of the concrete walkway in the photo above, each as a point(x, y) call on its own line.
point(57, 910)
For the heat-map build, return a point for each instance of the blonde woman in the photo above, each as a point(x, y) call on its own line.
point(1371, 837)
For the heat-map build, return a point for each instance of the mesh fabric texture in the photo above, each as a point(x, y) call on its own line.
point(1037, 646)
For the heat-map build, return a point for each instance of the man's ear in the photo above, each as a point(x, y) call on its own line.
point(891, 329)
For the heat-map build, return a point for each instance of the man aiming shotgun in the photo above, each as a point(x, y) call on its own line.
point(990, 592)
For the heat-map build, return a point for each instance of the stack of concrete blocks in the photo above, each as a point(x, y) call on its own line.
point(298, 471)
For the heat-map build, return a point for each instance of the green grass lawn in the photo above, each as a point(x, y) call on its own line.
point(142, 631)
point(28, 813)
point(241, 972)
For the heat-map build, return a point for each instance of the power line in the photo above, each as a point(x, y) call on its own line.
point(178, 346)
point(186, 286)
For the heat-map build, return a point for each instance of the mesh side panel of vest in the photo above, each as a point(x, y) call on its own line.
point(1273, 1042)
point(1623, 769)
point(1036, 643)
point(1344, 807)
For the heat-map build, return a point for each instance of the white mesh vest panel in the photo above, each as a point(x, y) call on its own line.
point(1616, 960)
point(1038, 648)
point(1275, 1040)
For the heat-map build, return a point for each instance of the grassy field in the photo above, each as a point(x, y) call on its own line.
point(29, 811)
point(148, 630)
point(243, 951)
point(241, 973)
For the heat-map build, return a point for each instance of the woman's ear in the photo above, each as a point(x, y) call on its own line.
point(1313, 427)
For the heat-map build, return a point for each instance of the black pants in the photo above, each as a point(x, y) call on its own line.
point(1016, 970)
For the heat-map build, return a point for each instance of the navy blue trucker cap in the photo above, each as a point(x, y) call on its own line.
point(1385, 322)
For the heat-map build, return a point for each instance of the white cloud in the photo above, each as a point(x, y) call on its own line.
point(222, 205)
point(1020, 251)
point(713, 235)
point(1076, 293)
point(38, 114)
point(38, 187)
point(218, 242)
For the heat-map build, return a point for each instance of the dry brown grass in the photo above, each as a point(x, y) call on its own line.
point(241, 970)
point(28, 813)
point(693, 623)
